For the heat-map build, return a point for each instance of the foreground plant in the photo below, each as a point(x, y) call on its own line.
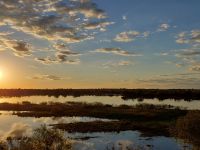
point(43, 138)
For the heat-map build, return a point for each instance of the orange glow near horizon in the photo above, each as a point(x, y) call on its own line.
point(1, 74)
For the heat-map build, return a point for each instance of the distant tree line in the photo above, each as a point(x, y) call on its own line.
point(186, 94)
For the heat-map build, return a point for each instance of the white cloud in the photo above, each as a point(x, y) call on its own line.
point(121, 63)
point(128, 36)
point(195, 36)
point(124, 17)
point(192, 37)
point(117, 51)
point(47, 77)
point(195, 67)
point(182, 38)
point(164, 27)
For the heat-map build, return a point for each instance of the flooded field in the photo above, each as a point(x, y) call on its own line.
point(22, 123)
point(111, 100)
point(15, 126)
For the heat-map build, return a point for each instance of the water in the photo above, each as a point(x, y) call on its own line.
point(128, 139)
point(15, 126)
point(12, 125)
point(115, 100)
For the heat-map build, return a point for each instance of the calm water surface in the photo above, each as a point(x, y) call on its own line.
point(12, 125)
point(115, 100)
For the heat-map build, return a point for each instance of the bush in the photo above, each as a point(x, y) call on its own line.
point(42, 139)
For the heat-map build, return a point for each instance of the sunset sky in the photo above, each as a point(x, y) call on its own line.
point(99, 44)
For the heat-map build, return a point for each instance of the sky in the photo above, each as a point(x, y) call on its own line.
point(99, 44)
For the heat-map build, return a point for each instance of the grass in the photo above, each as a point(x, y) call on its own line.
point(147, 128)
point(143, 112)
point(179, 94)
point(188, 128)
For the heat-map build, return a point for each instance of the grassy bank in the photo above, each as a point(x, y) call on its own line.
point(148, 128)
point(186, 94)
point(143, 112)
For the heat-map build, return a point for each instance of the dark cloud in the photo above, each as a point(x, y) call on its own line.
point(46, 60)
point(19, 48)
point(60, 58)
point(53, 20)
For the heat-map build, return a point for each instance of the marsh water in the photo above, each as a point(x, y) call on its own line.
point(12, 125)
point(111, 100)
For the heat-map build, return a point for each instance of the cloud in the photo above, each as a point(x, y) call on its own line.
point(124, 63)
point(128, 36)
point(192, 37)
point(97, 25)
point(51, 20)
point(19, 48)
point(47, 77)
point(181, 38)
point(63, 54)
point(5, 33)
point(187, 58)
point(60, 46)
point(60, 58)
point(2, 24)
point(177, 64)
point(2, 48)
point(124, 17)
point(46, 60)
point(182, 80)
point(195, 36)
point(68, 53)
point(116, 51)
point(163, 27)
point(88, 9)
point(146, 34)
point(121, 63)
point(179, 74)
point(162, 54)
point(188, 53)
point(195, 67)
point(57, 21)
